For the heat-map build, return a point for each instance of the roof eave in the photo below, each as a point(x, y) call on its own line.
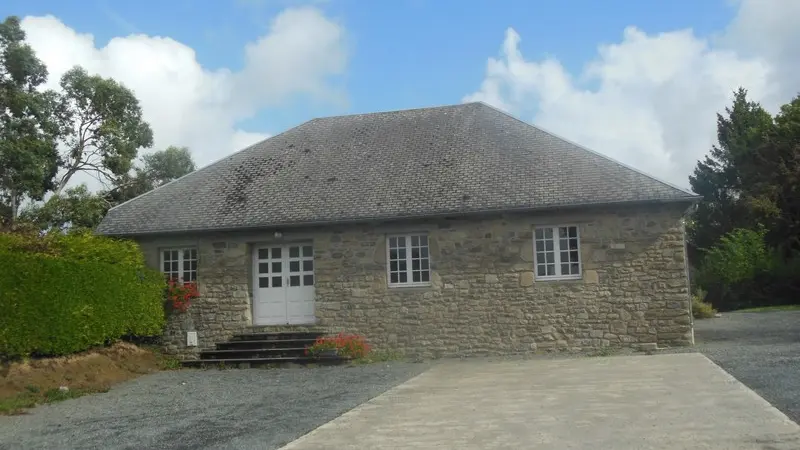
point(688, 200)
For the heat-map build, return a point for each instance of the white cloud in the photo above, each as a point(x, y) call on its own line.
point(189, 105)
point(650, 101)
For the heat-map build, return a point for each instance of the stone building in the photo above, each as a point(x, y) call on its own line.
point(445, 231)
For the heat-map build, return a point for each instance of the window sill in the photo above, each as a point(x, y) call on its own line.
point(544, 279)
point(410, 286)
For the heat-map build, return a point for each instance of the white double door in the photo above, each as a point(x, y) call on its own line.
point(284, 284)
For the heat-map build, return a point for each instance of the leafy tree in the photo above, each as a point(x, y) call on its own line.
point(157, 169)
point(102, 127)
point(28, 156)
point(773, 171)
point(76, 207)
point(721, 179)
point(79, 208)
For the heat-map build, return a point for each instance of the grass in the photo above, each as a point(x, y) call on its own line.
point(772, 308)
point(34, 396)
point(377, 356)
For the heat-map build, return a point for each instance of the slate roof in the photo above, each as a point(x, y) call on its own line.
point(466, 158)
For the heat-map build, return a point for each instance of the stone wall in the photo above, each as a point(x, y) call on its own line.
point(483, 298)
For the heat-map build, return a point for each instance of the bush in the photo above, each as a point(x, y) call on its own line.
point(61, 294)
point(700, 308)
point(740, 255)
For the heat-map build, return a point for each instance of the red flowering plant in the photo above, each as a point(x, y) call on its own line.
point(180, 295)
point(346, 345)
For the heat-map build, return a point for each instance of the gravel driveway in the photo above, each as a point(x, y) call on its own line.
point(762, 350)
point(204, 409)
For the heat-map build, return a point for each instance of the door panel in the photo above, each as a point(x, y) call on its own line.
point(300, 286)
point(284, 285)
point(269, 299)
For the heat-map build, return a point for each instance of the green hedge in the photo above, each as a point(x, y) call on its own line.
point(61, 294)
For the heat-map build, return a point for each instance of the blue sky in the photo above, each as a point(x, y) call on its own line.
point(629, 101)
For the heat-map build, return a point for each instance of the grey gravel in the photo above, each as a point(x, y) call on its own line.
point(205, 409)
point(762, 350)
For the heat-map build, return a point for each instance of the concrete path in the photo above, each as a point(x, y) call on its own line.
point(672, 401)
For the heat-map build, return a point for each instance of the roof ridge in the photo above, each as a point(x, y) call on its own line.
point(390, 111)
point(594, 152)
point(214, 163)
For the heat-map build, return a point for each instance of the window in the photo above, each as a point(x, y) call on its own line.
point(179, 264)
point(409, 260)
point(557, 251)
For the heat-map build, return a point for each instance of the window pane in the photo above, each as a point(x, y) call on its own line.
point(423, 240)
point(562, 232)
point(294, 252)
point(564, 257)
point(393, 277)
point(426, 276)
point(263, 282)
point(539, 233)
point(193, 265)
point(308, 265)
point(539, 246)
point(392, 242)
point(189, 276)
point(573, 232)
point(276, 267)
point(551, 269)
point(277, 281)
point(403, 277)
point(263, 267)
point(548, 245)
point(414, 264)
point(294, 280)
point(174, 267)
point(166, 266)
point(575, 268)
point(401, 253)
point(414, 241)
point(551, 258)
point(548, 233)
point(415, 276)
point(393, 254)
point(573, 255)
point(263, 253)
point(564, 269)
point(193, 253)
point(401, 241)
point(294, 266)
point(174, 255)
point(186, 264)
point(540, 257)
point(423, 252)
point(562, 243)
point(276, 253)
point(187, 254)
point(402, 266)
point(415, 252)
point(308, 251)
point(540, 270)
point(308, 280)
point(393, 266)
point(424, 264)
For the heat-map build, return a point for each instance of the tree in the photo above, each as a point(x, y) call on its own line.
point(773, 174)
point(102, 127)
point(76, 207)
point(28, 156)
point(157, 169)
point(80, 208)
point(722, 178)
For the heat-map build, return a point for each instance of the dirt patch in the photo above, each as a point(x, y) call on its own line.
point(95, 370)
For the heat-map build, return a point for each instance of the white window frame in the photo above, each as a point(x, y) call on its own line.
point(409, 271)
point(181, 260)
point(557, 253)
